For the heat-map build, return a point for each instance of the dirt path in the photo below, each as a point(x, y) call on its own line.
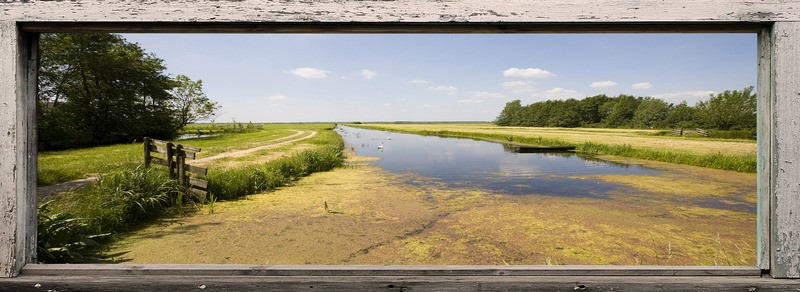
point(244, 152)
point(42, 193)
point(46, 191)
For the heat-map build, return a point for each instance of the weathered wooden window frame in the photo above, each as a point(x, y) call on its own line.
point(778, 137)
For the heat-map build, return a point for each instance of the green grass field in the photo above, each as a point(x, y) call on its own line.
point(61, 166)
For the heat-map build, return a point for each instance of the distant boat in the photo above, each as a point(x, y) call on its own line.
point(538, 149)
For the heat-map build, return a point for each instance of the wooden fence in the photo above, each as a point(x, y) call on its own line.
point(175, 156)
point(700, 132)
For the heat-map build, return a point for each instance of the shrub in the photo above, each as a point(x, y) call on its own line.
point(233, 183)
point(63, 238)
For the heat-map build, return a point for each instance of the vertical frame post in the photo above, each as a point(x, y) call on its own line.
point(18, 83)
point(784, 237)
point(765, 147)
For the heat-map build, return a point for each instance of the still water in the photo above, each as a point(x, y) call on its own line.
point(490, 166)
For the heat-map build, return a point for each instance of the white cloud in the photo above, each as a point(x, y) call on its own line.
point(470, 100)
point(403, 99)
point(307, 72)
point(519, 86)
point(559, 93)
point(603, 84)
point(691, 97)
point(368, 74)
point(450, 90)
point(276, 97)
point(419, 81)
point(642, 85)
point(485, 94)
point(431, 106)
point(528, 73)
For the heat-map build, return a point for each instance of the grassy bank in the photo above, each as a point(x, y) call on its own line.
point(61, 166)
point(726, 155)
point(134, 194)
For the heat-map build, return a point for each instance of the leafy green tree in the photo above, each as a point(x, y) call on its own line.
point(509, 114)
point(730, 110)
point(190, 102)
point(620, 110)
point(591, 109)
point(566, 114)
point(682, 116)
point(97, 88)
point(651, 113)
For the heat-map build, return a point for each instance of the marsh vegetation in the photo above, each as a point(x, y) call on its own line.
point(365, 213)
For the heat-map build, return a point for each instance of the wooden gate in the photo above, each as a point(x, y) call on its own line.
point(175, 156)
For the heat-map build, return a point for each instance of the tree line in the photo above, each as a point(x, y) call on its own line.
point(99, 89)
point(728, 110)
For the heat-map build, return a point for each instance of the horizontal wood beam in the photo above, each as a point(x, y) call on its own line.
point(392, 283)
point(333, 270)
point(196, 169)
point(399, 27)
point(595, 11)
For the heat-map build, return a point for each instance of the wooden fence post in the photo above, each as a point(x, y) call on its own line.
point(170, 155)
point(146, 144)
point(180, 159)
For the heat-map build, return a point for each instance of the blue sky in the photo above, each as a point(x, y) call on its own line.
point(450, 77)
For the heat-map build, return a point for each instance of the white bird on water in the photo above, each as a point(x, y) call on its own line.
point(380, 146)
point(388, 138)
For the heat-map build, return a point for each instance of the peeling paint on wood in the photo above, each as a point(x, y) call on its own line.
point(785, 217)
point(402, 11)
point(779, 81)
point(17, 150)
point(9, 212)
point(765, 147)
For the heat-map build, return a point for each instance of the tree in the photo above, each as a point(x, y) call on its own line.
point(682, 116)
point(620, 110)
point(190, 102)
point(97, 89)
point(509, 114)
point(730, 110)
point(651, 112)
point(591, 109)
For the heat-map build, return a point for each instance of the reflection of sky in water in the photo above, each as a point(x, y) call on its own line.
point(470, 163)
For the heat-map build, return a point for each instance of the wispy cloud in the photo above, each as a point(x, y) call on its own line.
point(450, 90)
point(368, 74)
point(558, 93)
point(528, 73)
point(519, 86)
point(603, 84)
point(307, 72)
point(430, 106)
point(486, 94)
point(642, 85)
point(469, 100)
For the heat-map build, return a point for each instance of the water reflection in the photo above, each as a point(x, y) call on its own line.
point(490, 166)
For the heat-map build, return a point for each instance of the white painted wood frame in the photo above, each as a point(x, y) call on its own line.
point(776, 22)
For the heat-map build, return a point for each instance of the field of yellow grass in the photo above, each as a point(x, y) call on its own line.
point(632, 137)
